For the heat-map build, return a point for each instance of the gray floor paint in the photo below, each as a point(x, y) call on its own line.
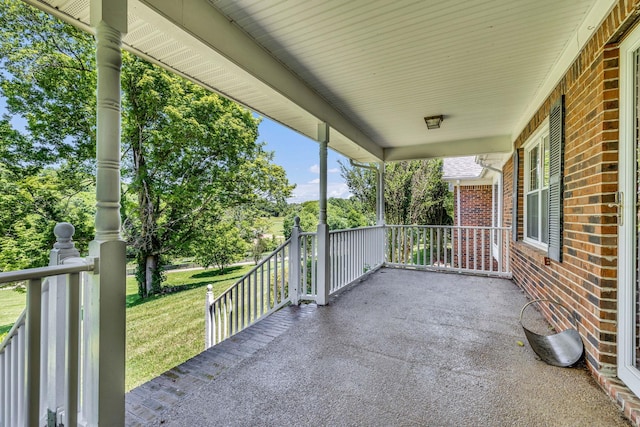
point(402, 348)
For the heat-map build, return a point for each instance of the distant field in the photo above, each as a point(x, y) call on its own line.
point(275, 226)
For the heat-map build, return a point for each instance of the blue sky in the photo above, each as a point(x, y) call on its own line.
point(298, 155)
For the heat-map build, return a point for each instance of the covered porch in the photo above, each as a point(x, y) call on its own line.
point(401, 347)
point(360, 80)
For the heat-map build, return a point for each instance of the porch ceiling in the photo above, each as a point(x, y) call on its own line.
point(371, 69)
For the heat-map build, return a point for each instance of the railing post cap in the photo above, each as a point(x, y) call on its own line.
point(209, 288)
point(63, 232)
point(296, 221)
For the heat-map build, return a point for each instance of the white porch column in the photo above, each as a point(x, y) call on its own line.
point(324, 262)
point(380, 194)
point(105, 294)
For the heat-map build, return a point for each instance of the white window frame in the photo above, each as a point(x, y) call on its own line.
point(628, 371)
point(535, 140)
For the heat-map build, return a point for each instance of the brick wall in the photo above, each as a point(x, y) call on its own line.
point(475, 210)
point(585, 280)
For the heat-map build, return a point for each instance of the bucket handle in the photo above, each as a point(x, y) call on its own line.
point(571, 316)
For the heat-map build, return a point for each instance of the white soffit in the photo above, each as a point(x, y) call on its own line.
point(372, 69)
point(385, 64)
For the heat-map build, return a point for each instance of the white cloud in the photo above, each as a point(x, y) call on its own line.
point(338, 190)
point(316, 169)
point(310, 191)
point(314, 181)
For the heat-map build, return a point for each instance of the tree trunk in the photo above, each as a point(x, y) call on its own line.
point(151, 265)
point(147, 245)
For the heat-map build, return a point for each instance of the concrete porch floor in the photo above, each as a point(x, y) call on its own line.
point(402, 347)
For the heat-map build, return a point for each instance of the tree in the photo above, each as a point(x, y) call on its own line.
point(193, 153)
point(30, 207)
point(33, 199)
point(188, 148)
point(220, 245)
point(256, 229)
point(187, 153)
point(49, 79)
point(414, 192)
point(341, 214)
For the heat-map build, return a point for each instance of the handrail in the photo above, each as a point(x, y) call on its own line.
point(40, 356)
point(353, 253)
point(37, 273)
point(253, 270)
point(345, 230)
point(456, 227)
point(470, 249)
point(41, 272)
point(258, 293)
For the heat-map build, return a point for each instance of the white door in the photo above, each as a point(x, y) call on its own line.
point(627, 208)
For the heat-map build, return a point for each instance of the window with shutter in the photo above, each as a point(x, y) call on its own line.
point(556, 166)
point(536, 188)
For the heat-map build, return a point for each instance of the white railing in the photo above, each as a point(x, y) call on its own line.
point(290, 273)
point(40, 358)
point(12, 374)
point(353, 253)
point(480, 250)
point(257, 294)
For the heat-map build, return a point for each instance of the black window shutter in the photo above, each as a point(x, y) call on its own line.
point(514, 211)
point(556, 170)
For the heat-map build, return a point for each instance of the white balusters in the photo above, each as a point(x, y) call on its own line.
point(263, 290)
point(39, 358)
point(438, 247)
point(290, 273)
point(352, 253)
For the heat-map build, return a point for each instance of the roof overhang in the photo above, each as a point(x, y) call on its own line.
point(371, 71)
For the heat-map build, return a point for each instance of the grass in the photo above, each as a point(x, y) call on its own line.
point(12, 302)
point(162, 331)
point(167, 330)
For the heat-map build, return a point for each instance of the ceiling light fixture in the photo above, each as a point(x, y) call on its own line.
point(433, 122)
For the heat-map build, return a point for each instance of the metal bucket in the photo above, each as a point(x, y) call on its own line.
point(562, 349)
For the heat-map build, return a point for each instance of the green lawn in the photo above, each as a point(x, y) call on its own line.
point(11, 305)
point(162, 331)
point(165, 331)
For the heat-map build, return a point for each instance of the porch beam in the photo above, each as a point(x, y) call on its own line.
point(458, 148)
point(105, 294)
point(324, 262)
